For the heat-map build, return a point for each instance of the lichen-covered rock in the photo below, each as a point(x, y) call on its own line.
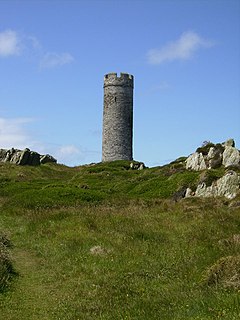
point(204, 191)
point(231, 157)
point(3, 154)
point(196, 162)
point(47, 158)
point(189, 193)
point(24, 157)
point(229, 143)
point(34, 159)
point(137, 166)
point(227, 186)
point(212, 156)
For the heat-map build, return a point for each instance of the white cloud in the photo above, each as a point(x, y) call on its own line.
point(74, 155)
point(52, 60)
point(14, 134)
point(33, 42)
point(181, 49)
point(69, 154)
point(12, 43)
point(69, 150)
point(9, 43)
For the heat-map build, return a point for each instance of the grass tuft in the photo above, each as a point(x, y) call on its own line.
point(6, 267)
point(225, 272)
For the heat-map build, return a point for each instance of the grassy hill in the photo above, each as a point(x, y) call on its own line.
point(106, 242)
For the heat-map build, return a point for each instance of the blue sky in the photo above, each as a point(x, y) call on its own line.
point(184, 55)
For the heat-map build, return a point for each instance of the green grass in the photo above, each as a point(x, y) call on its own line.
point(105, 242)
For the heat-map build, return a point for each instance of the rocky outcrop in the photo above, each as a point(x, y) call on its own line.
point(137, 166)
point(211, 156)
point(227, 186)
point(196, 162)
point(47, 158)
point(230, 157)
point(24, 157)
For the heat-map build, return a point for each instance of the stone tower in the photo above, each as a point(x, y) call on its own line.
point(117, 133)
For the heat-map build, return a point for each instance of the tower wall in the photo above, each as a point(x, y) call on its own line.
point(117, 136)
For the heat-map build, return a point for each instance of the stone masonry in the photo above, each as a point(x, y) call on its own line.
point(117, 133)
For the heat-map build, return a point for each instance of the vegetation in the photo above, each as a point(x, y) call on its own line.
point(107, 242)
point(6, 267)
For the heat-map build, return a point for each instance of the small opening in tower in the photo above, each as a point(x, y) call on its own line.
point(115, 99)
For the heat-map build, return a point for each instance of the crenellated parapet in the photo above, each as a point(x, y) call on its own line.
point(124, 80)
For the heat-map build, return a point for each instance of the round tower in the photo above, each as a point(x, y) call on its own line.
point(117, 133)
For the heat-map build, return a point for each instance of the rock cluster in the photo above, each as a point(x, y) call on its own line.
point(211, 156)
point(227, 186)
point(24, 157)
point(137, 166)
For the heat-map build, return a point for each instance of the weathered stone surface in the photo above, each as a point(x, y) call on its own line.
point(231, 157)
point(215, 163)
point(229, 143)
point(189, 193)
point(212, 156)
point(34, 159)
point(211, 153)
point(3, 154)
point(204, 191)
point(137, 166)
point(227, 186)
point(24, 157)
point(196, 162)
point(47, 158)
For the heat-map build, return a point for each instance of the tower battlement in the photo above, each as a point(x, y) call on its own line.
point(112, 79)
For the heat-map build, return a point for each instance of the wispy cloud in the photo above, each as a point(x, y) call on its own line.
point(52, 60)
point(75, 155)
point(69, 154)
point(14, 134)
point(10, 43)
point(69, 150)
point(181, 49)
point(162, 86)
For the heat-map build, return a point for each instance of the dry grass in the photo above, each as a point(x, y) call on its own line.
point(225, 272)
